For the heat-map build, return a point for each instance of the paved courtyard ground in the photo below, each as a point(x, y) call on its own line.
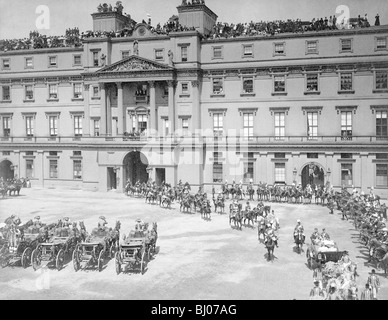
point(196, 259)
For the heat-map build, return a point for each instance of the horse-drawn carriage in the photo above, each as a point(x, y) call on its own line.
point(95, 248)
point(58, 248)
point(322, 252)
point(137, 249)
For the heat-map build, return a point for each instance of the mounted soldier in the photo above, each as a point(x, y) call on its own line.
point(298, 228)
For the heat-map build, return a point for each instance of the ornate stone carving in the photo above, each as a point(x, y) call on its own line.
point(133, 64)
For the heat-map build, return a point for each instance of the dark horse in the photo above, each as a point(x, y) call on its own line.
point(270, 245)
point(299, 241)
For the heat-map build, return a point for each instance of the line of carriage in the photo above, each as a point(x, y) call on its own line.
point(53, 246)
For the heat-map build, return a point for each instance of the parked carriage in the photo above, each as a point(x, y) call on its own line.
point(137, 249)
point(29, 241)
point(100, 245)
point(57, 249)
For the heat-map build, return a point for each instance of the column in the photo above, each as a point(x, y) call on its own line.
point(86, 124)
point(120, 108)
point(109, 113)
point(103, 110)
point(196, 124)
point(153, 120)
point(41, 158)
point(171, 106)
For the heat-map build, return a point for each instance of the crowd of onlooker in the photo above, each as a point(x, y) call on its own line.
point(73, 37)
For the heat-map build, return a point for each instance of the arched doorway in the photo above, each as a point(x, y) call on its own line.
point(135, 167)
point(6, 170)
point(313, 174)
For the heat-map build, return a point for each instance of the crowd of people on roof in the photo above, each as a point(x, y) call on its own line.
point(73, 37)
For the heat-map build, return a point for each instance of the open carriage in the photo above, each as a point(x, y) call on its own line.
point(100, 245)
point(323, 252)
point(57, 249)
point(137, 249)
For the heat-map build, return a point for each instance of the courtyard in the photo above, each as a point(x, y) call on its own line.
point(195, 259)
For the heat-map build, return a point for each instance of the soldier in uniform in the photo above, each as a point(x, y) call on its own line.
point(102, 222)
point(374, 284)
point(298, 228)
point(248, 207)
point(366, 294)
point(315, 237)
point(317, 293)
point(325, 235)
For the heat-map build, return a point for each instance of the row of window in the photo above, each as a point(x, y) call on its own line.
point(140, 124)
point(311, 47)
point(312, 85)
point(312, 124)
point(52, 62)
point(53, 169)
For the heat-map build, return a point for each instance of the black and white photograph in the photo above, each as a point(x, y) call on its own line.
point(206, 152)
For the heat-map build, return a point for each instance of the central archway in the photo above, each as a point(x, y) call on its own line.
point(313, 174)
point(135, 166)
point(6, 170)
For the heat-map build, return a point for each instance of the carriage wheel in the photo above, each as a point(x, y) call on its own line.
point(142, 263)
point(36, 258)
point(112, 251)
point(60, 260)
point(117, 262)
point(149, 253)
point(26, 257)
point(100, 260)
point(76, 259)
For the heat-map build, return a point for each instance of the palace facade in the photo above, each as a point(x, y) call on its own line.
point(295, 107)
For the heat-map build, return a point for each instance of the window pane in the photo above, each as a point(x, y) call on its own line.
point(218, 86)
point(6, 93)
point(279, 84)
point(247, 85)
point(381, 80)
point(77, 169)
point(217, 172)
point(382, 175)
point(346, 81)
point(53, 169)
point(346, 174)
point(29, 168)
point(312, 82)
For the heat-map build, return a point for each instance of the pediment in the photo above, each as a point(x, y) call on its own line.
point(135, 63)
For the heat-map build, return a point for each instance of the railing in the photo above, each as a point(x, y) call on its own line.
point(274, 140)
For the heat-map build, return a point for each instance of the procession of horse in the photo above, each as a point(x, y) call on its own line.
point(63, 241)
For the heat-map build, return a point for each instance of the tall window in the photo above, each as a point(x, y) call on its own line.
point(248, 125)
point(78, 126)
point(248, 85)
point(217, 171)
point(53, 125)
point(95, 59)
point(29, 91)
point(77, 90)
point(346, 125)
point(166, 126)
point(280, 83)
point(6, 93)
point(184, 55)
point(312, 82)
point(218, 86)
point(346, 174)
point(382, 175)
point(29, 126)
point(77, 169)
point(280, 173)
point(248, 171)
point(185, 126)
point(142, 122)
point(96, 92)
point(280, 127)
point(29, 168)
point(346, 82)
point(53, 91)
point(218, 124)
point(53, 169)
point(381, 124)
point(381, 80)
point(381, 43)
point(6, 126)
point(96, 128)
point(312, 125)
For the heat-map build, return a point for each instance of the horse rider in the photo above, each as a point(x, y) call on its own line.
point(315, 237)
point(374, 284)
point(325, 235)
point(317, 293)
point(220, 197)
point(298, 228)
point(248, 207)
point(270, 233)
point(139, 225)
point(67, 222)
